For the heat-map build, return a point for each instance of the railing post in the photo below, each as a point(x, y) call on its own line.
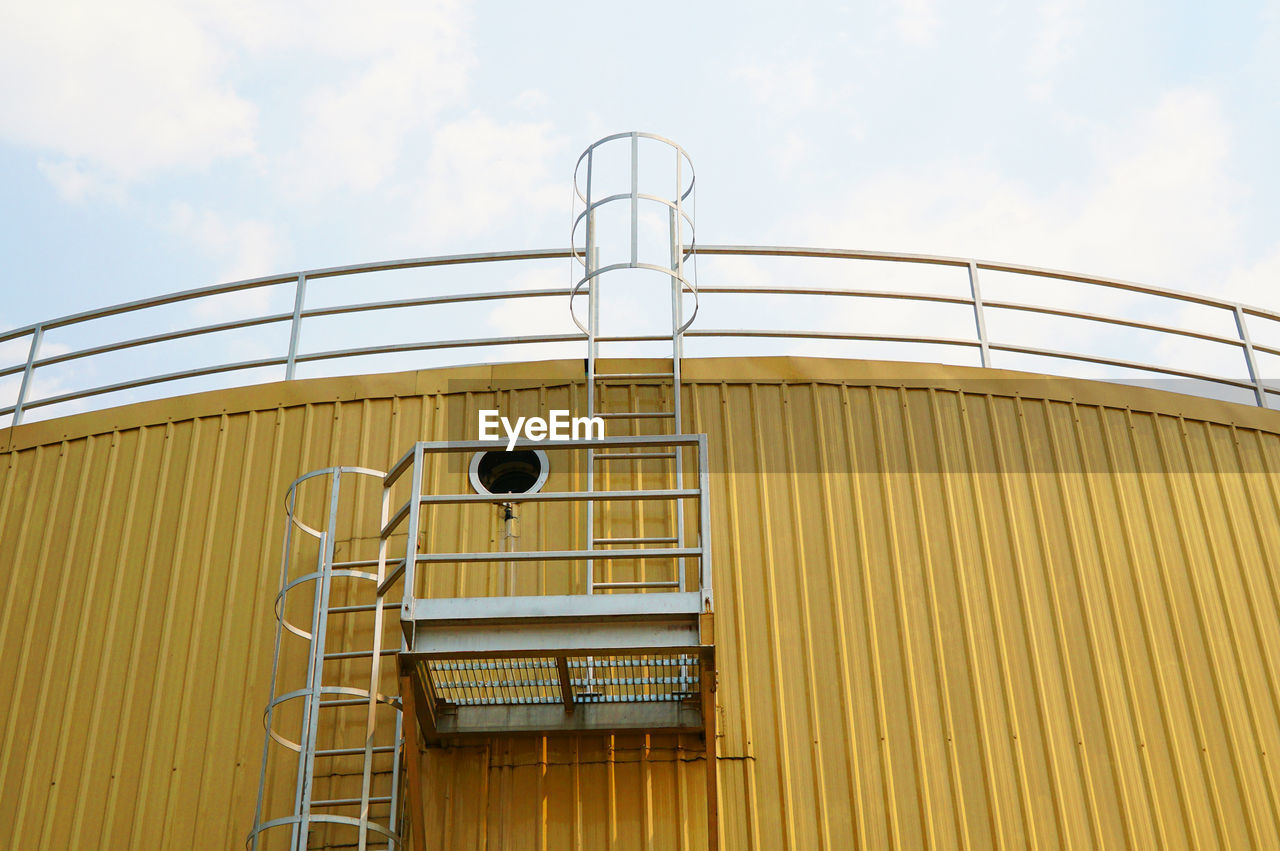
point(979, 317)
point(411, 540)
point(36, 337)
point(1250, 360)
point(704, 525)
point(295, 329)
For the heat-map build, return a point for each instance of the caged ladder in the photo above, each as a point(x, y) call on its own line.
point(600, 193)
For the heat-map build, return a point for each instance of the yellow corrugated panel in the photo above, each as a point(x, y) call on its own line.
point(956, 618)
point(954, 607)
point(624, 792)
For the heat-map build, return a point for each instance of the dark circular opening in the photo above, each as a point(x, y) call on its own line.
point(509, 472)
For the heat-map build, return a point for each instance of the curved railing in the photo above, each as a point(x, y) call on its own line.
point(1167, 313)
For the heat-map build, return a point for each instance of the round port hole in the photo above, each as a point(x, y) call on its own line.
point(500, 472)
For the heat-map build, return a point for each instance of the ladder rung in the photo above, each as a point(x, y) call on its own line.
point(672, 584)
point(350, 802)
point(631, 376)
point(354, 701)
point(354, 751)
point(368, 607)
point(636, 415)
point(634, 456)
point(636, 541)
point(358, 654)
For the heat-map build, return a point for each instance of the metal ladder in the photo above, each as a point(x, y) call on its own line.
point(680, 257)
point(324, 695)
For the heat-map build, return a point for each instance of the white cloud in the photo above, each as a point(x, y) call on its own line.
point(916, 21)
point(411, 61)
point(330, 27)
point(794, 151)
point(1255, 283)
point(127, 88)
point(786, 89)
point(531, 100)
point(1059, 23)
point(251, 248)
point(781, 86)
point(534, 316)
point(75, 185)
point(1159, 205)
point(482, 173)
point(525, 316)
point(114, 93)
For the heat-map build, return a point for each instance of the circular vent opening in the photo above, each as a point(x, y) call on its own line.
point(499, 472)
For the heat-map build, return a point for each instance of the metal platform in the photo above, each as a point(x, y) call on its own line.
point(567, 662)
point(626, 655)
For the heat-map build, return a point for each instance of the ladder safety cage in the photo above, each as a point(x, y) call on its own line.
point(339, 701)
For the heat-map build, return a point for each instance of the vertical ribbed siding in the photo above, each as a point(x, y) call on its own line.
point(957, 618)
point(624, 792)
point(1042, 622)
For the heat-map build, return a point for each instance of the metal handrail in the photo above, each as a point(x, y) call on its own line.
point(1240, 314)
point(409, 520)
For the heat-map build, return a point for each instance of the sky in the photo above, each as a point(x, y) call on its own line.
point(150, 146)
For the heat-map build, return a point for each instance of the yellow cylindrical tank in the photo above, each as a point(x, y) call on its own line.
point(954, 607)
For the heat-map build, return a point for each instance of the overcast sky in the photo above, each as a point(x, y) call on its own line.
point(148, 146)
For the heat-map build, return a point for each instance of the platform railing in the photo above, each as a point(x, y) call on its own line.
point(31, 339)
point(405, 517)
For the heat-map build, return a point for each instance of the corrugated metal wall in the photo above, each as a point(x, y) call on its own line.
point(953, 607)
